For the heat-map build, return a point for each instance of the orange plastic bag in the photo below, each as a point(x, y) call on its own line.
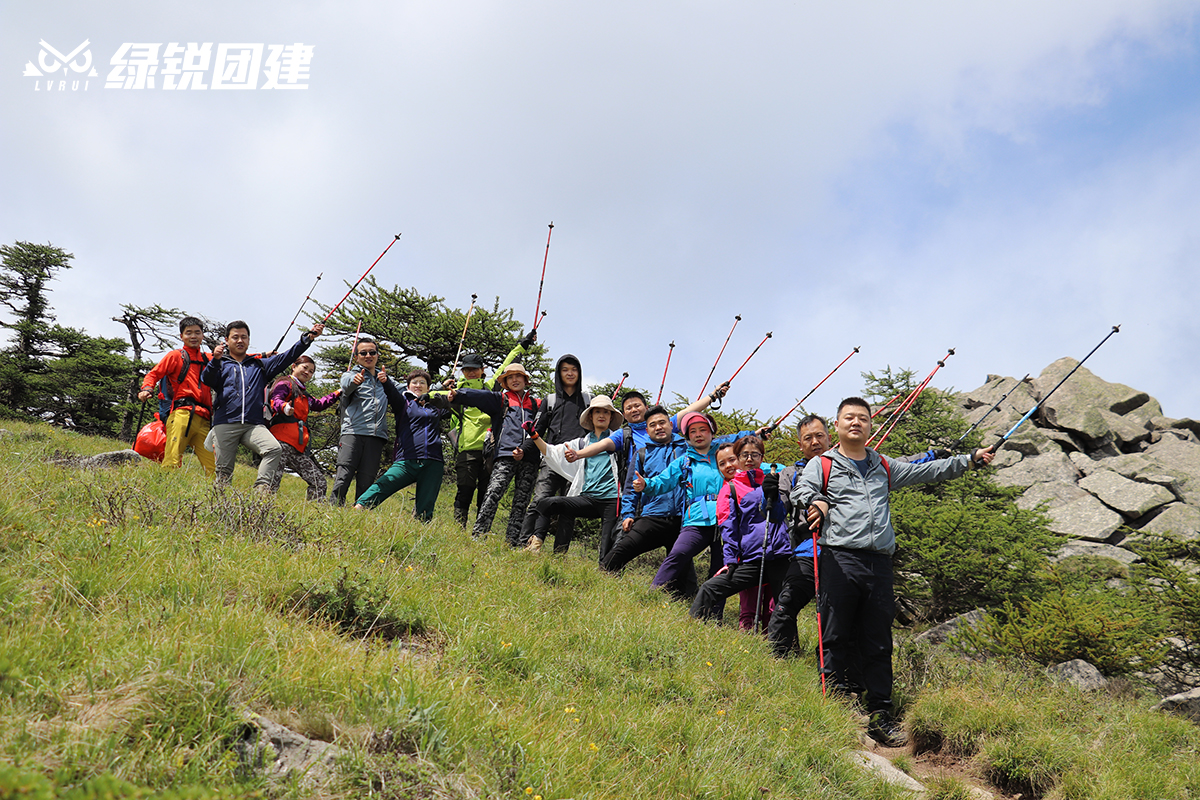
point(152, 440)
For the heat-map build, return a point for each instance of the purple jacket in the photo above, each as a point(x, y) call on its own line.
point(746, 525)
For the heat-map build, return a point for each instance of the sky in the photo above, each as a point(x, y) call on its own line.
point(1006, 179)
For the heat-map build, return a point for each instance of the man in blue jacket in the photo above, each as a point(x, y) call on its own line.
point(845, 492)
point(239, 382)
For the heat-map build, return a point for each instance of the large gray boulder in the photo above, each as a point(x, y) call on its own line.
point(1131, 498)
point(1052, 494)
point(1079, 404)
point(1180, 459)
point(1082, 547)
point(1079, 674)
point(1185, 704)
point(1085, 518)
point(279, 752)
point(1177, 518)
point(940, 634)
point(1047, 468)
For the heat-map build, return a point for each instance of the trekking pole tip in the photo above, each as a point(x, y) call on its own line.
point(672, 344)
point(1116, 328)
point(857, 349)
point(738, 317)
point(950, 352)
point(769, 334)
point(397, 236)
point(624, 374)
point(551, 223)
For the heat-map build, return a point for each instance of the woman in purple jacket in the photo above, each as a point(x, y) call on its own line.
point(418, 446)
point(752, 521)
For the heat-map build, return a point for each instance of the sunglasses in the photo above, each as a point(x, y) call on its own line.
point(368, 352)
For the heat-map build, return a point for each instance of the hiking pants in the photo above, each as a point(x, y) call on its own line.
point(471, 475)
point(304, 465)
point(747, 613)
point(228, 436)
point(507, 469)
point(425, 473)
point(691, 542)
point(179, 438)
point(799, 587)
point(549, 484)
point(568, 509)
point(357, 460)
point(710, 600)
point(857, 605)
point(647, 534)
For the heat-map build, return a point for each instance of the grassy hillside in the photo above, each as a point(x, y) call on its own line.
point(144, 616)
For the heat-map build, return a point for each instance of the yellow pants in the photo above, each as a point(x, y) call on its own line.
point(177, 442)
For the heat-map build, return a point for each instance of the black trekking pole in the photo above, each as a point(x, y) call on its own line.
point(617, 390)
point(307, 297)
point(671, 349)
point(810, 393)
point(536, 319)
point(141, 416)
point(360, 280)
point(736, 320)
point(996, 447)
point(989, 411)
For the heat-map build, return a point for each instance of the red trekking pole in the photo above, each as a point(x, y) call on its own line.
point(360, 280)
point(617, 390)
point(658, 399)
point(817, 595)
point(736, 320)
point(717, 404)
point(818, 386)
point(536, 319)
point(886, 405)
point(896, 416)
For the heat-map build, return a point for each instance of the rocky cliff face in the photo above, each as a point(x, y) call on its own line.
point(1101, 455)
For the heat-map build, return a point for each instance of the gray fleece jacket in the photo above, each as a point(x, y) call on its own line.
point(860, 516)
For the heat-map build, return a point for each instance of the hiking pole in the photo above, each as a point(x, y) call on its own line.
point(141, 415)
point(354, 347)
point(307, 297)
point(817, 596)
point(360, 280)
point(989, 411)
point(624, 375)
point(717, 404)
point(736, 320)
point(911, 395)
point(658, 399)
point(463, 338)
point(536, 318)
point(886, 405)
point(896, 416)
point(818, 386)
point(996, 447)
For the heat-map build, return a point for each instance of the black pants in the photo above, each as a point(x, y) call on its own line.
point(567, 509)
point(857, 605)
point(710, 600)
point(647, 534)
point(471, 475)
point(358, 460)
point(548, 484)
point(799, 587)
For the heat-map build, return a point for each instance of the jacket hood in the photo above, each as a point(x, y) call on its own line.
point(559, 389)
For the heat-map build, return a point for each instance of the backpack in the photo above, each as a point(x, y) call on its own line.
point(625, 452)
point(827, 467)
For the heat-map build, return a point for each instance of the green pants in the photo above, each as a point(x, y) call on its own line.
point(425, 473)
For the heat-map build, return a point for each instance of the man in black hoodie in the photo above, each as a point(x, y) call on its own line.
point(557, 422)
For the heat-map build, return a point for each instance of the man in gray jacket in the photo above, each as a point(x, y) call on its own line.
point(846, 493)
point(364, 422)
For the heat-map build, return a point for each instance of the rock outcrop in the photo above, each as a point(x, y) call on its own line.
point(1101, 459)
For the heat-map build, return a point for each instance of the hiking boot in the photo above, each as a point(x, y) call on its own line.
point(886, 731)
point(460, 516)
point(533, 545)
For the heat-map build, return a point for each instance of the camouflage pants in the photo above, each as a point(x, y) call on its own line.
point(304, 465)
point(505, 470)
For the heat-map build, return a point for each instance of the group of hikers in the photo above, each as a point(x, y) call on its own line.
point(654, 479)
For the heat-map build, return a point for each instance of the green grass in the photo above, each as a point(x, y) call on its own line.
point(143, 616)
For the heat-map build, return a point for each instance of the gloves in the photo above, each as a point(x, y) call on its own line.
point(770, 487)
point(529, 339)
point(941, 452)
point(529, 429)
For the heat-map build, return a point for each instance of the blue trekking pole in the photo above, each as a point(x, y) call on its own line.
point(989, 411)
point(996, 447)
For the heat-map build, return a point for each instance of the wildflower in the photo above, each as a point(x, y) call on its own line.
point(783, 730)
point(721, 712)
point(504, 644)
point(592, 746)
point(409, 568)
point(528, 790)
point(569, 710)
point(537, 797)
point(708, 663)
